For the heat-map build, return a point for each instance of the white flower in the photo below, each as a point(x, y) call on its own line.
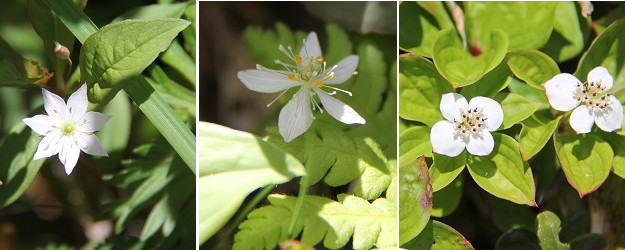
point(309, 72)
point(466, 125)
point(67, 129)
point(566, 92)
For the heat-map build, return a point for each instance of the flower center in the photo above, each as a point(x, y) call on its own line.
point(471, 122)
point(68, 128)
point(590, 95)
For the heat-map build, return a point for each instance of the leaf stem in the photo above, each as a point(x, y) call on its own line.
point(304, 182)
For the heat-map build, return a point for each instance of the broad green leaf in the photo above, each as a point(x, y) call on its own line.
point(570, 30)
point(493, 82)
point(515, 108)
point(172, 10)
point(607, 50)
point(438, 11)
point(532, 66)
point(526, 24)
point(415, 199)
point(507, 215)
point(232, 165)
point(23, 73)
point(446, 200)
point(586, 161)
point(461, 68)
point(322, 219)
point(420, 90)
point(413, 143)
point(536, 131)
point(445, 169)
point(617, 143)
point(547, 229)
point(417, 29)
point(121, 51)
point(533, 94)
point(438, 236)
point(362, 17)
point(503, 173)
point(373, 180)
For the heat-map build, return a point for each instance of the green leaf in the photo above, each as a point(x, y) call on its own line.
point(23, 73)
point(445, 169)
point(115, 135)
point(438, 11)
point(461, 68)
point(420, 90)
point(173, 10)
point(493, 82)
point(532, 66)
point(586, 160)
point(106, 68)
point(600, 25)
point(502, 173)
point(374, 180)
point(169, 206)
point(176, 95)
point(617, 143)
point(417, 29)
point(189, 33)
point(362, 17)
point(415, 199)
point(178, 59)
point(527, 24)
point(533, 94)
point(322, 219)
point(234, 155)
point(437, 235)
point(262, 45)
point(413, 143)
point(446, 200)
point(515, 108)
point(536, 131)
point(570, 30)
point(548, 228)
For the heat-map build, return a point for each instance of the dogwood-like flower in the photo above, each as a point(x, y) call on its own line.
point(466, 125)
point(67, 128)
point(308, 71)
point(565, 92)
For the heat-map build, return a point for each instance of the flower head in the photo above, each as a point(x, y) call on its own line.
point(466, 125)
point(67, 128)
point(565, 92)
point(308, 71)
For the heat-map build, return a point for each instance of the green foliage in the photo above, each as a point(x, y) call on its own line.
point(570, 33)
point(445, 169)
point(415, 199)
point(536, 131)
point(363, 17)
point(447, 199)
point(417, 28)
point(22, 73)
point(437, 235)
point(532, 66)
point(515, 108)
point(548, 228)
point(414, 142)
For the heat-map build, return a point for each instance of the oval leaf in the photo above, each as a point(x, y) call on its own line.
point(417, 29)
point(536, 131)
point(515, 108)
point(414, 142)
point(548, 231)
point(445, 169)
point(570, 30)
point(532, 66)
point(415, 199)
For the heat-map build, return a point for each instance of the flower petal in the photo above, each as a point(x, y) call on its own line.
point(561, 91)
point(612, 118)
point(48, 145)
point(92, 121)
point(311, 47)
point(444, 141)
point(338, 109)
point(55, 106)
point(77, 103)
point(41, 124)
point(71, 152)
point(296, 116)
point(491, 109)
point(265, 81)
point(601, 75)
point(481, 144)
point(581, 120)
point(451, 104)
point(89, 143)
point(344, 70)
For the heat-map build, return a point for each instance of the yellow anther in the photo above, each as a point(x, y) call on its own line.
point(318, 84)
point(330, 76)
point(319, 60)
point(293, 77)
point(298, 59)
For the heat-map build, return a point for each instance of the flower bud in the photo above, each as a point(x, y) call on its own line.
point(61, 52)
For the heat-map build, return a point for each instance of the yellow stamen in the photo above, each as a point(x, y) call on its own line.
point(293, 77)
point(318, 84)
point(319, 60)
point(298, 59)
point(329, 76)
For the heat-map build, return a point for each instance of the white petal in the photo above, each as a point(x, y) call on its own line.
point(92, 121)
point(77, 103)
point(41, 124)
point(601, 75)
point(444, 141)
point(491, 109)
point(48, 146)
point(344, 70)
point(612, 118)
point(265, 81)
point(561, 90)
point(89, 143)
point(451, 104)
point(581, 120)
point(72, 152)
point(311, 47)
point(296, 116)
point(55, 106)
point(338, 109)
point(481, 144)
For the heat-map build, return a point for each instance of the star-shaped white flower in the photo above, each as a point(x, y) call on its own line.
point(67, 129)
point(466, 125)
point(565, 92)
point(309, 72)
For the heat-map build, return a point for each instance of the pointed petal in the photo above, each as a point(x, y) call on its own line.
point(89, 143)
point(41, 124)
point(296, 116)
point(451, 104)
point(55, 106)
point(481, 144)
point(491, 109)
point(561, 91)
point(77, 103)
point(344, 70)
point(444, 141)
point(265, 81)
point(92, 121)
point(72, 152)
point(581, 120)
point(48, 146)
point(311, 47)
point(601, 75)
point(612, 118)
point(338, 109)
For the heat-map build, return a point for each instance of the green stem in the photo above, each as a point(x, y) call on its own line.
point(304, 182)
